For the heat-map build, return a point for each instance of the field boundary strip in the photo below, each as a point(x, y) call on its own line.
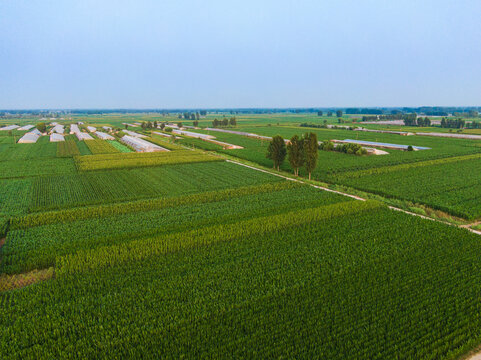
point(399, 167)
point(356, 197)
point(119, 208)
point(93, 259)
point(298, 180)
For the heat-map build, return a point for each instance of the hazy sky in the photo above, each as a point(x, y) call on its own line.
point(229, 53)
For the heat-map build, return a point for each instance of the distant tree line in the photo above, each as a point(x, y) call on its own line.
point(452, 123)
point(224, 122)
point(355, 149)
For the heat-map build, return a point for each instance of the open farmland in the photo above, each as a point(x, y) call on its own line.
point(194, 256)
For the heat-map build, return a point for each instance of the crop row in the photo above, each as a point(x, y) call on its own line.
point(38, 247)
point(346, 288)
point(29, 152)
point(120, 147)
point(14, 196)
point(164, 142)
point(98, 146)
point(67, 148)
point(99, 187)
point(452, 187)
point(37, 167)
point(136, 250)
point(133, 160)
point(403, 167)
point(99, 211)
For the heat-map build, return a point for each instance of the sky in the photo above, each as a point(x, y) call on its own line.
point(239, 53)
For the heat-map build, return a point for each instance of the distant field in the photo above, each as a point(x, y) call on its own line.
point(109, 253)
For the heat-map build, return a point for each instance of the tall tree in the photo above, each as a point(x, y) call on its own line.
point(295, 153)
point(42, 127)
point(339, 113)
point(277, 151)
point(310, 152)
point(319, 113)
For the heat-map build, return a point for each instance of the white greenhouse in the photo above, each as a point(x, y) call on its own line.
point(35, 131)
point(29, 138)
point(25, 128)
point(91, 129)
point(104, 136)
point(141, 145)
point(193, 134)
point(134, 134)
point(9, 127)
point(83, 136)
point(74, 129)
point(54, 137)
point(59, 129)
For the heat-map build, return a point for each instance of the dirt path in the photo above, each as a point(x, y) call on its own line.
point(355, 197)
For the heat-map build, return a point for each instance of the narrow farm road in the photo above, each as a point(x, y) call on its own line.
point(351, 196)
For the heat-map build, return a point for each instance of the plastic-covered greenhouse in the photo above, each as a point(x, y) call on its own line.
point(29, 138)
point(9, 127)
point(141, 145)
point(74, 129)
point(104, 136)
point(83, 136)
point(193, 134)
point(134, 134)
point(59, 129)
point(91, 129)
point(25, 128)
point(54, 137)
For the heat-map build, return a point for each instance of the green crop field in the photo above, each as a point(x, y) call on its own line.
point(110, 253)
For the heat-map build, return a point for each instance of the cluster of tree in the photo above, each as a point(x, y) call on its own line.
point(195, 123)
point(410, 119)
point(394, 116)
point(224, 122)
point(189, 116)
point(473, 125)
point(316, 126)
point(469, 114)
point(452, 123)
point(423, 122)
point(41, 126)
point(355, 149)
point(149, 125)
point(301, 151)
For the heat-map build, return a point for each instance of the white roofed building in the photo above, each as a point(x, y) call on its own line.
point(141, 145)
point(55, 137)
point(29, 138)
point(104, 136)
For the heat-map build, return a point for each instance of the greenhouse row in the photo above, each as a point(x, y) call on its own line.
point(29, 138)
point(83, 136)
point(25, 128)
point(9, 127)
point(134, 134)
point(104, 136)
point(55, 137)
point(59, 129)
point(141, 145)
point(91, 129)
point(193, 134)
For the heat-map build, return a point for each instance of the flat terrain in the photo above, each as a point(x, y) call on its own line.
point(109, 253)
